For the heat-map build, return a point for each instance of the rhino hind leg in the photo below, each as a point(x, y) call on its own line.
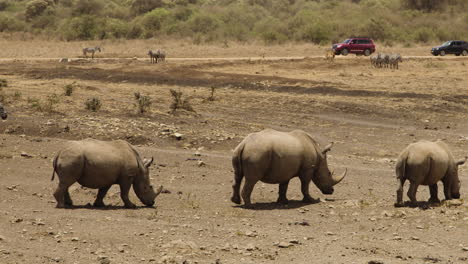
point(399, 192)
point(62, 196)
point(283, 189)
point(99, 202)
point(236, 188)
point(68, 200)
point(247, 191)
point(434, 194)
point(413, 188)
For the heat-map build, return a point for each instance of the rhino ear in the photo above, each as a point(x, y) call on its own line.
point(462, 161)
point(147, 162)
point(327, 148)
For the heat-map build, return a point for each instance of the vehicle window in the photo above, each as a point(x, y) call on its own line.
point(446, 44)
point(347, 41)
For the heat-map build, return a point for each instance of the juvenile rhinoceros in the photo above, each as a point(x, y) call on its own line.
point(100, 164)
point(426, 163)
point(275, 157)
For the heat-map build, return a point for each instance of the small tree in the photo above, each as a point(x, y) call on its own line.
point(179, 102)
point(69, 89)
point(35, 8)
point(93, 104)
point(143, 102)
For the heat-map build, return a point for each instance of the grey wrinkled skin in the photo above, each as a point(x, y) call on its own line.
point(100, 164)
point(427, 163)
point(276, 157)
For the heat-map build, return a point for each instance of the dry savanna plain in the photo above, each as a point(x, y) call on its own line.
point(370, 114)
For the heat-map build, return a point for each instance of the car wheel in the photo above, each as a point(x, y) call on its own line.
point(442, 53)
point(457, 54)
point(344, 52)
point(464, 52)
point(367, 52)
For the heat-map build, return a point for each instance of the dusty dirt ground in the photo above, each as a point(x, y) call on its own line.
point(370, 114)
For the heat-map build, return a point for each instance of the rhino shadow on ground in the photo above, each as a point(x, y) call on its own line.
point(107, 207)
point(424, 205)
point(292, 204)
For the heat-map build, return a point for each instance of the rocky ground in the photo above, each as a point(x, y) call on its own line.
point(370, 114)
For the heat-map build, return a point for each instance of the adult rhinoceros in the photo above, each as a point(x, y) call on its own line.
point(275, 157)
point(426, 163)
point(100, 164)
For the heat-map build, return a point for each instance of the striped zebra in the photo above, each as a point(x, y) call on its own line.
point(159, 55)
point(394, 59)
point(91, 50)
point(3, 112)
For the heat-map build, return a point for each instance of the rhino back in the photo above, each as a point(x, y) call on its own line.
point(427, 162)
point(103, 162)
point(272, 156)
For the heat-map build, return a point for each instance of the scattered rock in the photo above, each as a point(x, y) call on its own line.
point(201, 163)
point(26, 155)
point(197, 153)
point(2, 238)
point(75, 239)
point(453, 203)
point(177, 136)
point(465, 248)
point(284, 245)
point(375, 262)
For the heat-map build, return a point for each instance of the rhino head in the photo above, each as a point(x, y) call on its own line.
point(323, 178)
point(455, 185)
point(143, 189)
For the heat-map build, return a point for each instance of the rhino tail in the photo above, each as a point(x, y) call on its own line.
point(237, 162)
point(401, 168)
point(54, 165)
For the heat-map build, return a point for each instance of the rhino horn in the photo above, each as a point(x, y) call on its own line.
point(337, 180)
point(159, 191)
point(147, 163)
point(327, 148)
point(462, 161)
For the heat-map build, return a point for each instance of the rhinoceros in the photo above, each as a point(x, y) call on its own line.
point(426, 163)
point(100, 164)
point(3, 112)
point(275, 157)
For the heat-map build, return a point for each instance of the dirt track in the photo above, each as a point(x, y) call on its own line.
point(370, 114)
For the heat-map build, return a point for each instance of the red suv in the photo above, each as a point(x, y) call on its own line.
point(357, 46)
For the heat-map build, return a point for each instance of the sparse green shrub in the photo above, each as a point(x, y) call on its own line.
point(83, 27)
point(69, 89)
point(35, 8)
point(179, 102)
point(34, 103)
point(201, 23)
point(153, 20)
point(50, 103)
point(4, 4)
point(88, 7)
point(3, 83)
point(17, 95)
point(11, 24)
point(211, 97)
point(143, 6)
point(143, 103)
point(93, 104)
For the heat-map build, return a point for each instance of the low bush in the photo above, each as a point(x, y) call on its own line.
point(68, 89)
point(179, 101)
point(142, 103)
point(93, 104)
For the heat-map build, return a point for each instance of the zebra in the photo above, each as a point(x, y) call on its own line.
point(3, 112)
point(91, 50)
point(158, 55)
point(373, 60)
point(394, 59)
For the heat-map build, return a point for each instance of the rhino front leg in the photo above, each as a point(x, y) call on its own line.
point(305, 178)
point(434, 194)
point(99, 202)
point(247, 191)
point(283, 189)
point(124, 190)
point(447, 192)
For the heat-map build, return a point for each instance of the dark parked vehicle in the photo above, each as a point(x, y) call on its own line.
point(457, 47)
point(357, 46)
